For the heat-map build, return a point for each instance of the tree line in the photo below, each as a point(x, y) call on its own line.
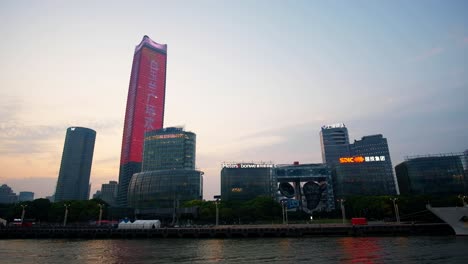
point(258, 210)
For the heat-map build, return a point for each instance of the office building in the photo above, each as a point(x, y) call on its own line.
point(7, 196)
point(26, 196)
point(305, 187)
point(439, 175)
point(366, 171)
point(246, 181)
point(169, 177)
point(334, 142)
point(109, 192)
point(145, 108)
point(164, 188)
point(169, 148)
point(75, 168)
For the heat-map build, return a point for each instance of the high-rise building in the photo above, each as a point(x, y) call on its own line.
point(7, 195)
point(440, 174)
point(109, 192)
point(75, 168)
point(366, 171)
point(334, 141)
point(145, 108)
point(169, 148)
point(25, 196)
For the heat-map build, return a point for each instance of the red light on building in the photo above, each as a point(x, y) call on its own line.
point(358, 159)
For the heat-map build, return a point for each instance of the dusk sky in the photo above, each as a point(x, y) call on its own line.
point(255, 80)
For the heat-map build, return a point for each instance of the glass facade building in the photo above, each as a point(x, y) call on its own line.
point(246, 181)
point(375, 147)
point(75, 168)
point(334, 142)
point(169, 148)
point(307, 187)
point(109, 192)
point(164, 188)
point(442, 174)
point(145, 108)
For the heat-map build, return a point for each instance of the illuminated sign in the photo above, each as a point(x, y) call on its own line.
point(360, 159)
point(338, 125)
point(246, 165)
point(165, 136)
point(236, 190)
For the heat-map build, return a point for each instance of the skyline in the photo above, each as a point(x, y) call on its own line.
point(254, 81)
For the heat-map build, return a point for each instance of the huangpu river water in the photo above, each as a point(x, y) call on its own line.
point(448, 249)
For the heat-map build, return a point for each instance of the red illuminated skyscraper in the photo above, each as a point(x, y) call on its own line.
point(145, 108)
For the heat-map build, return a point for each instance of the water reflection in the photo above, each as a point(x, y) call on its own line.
point(361, 250)
point(252, 250)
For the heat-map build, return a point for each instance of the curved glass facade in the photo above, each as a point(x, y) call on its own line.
point(162, 188)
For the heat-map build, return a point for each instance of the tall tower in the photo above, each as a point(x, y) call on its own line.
point(75, 168)
point(334, 141)
point(145, 108)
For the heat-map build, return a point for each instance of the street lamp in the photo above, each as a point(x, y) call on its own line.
point(343, 213)
point(23, 212)
point(66, 214)
point(395, 206)
point(462, 198)
point(217, 198)
point(100, 212)
point(284, 211)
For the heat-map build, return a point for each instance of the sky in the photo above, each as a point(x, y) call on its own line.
point(255, 80)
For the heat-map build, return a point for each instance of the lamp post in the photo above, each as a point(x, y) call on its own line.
point(462, 198)
point(23, 212)
point(285, 211)
point(66, 214)
point(217, 212)
point(100, 213)
point(395, 206)
point(217, 199)
point(343, 213)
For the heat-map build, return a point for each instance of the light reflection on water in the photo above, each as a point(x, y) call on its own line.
point(253, 250)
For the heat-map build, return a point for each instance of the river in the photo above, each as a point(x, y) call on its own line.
point(440, 249)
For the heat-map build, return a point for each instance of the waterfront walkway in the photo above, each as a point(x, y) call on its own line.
point(230, 231)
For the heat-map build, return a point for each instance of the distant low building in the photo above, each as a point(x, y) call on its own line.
point(26, 196)
point(440, 174)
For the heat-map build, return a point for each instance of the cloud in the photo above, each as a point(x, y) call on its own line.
point(427, 54)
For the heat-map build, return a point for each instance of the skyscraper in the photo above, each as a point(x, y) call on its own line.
point(145, 108)
point(75, 168)
point(334, 141)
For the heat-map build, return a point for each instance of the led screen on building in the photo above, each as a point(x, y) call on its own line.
point(145, 103)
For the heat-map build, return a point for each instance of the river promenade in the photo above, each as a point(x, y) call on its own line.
point(230, 231)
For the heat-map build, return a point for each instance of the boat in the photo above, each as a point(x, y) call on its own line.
point(455, 217)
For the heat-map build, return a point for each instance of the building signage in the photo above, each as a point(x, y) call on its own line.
point(165, 136)
point(246, 165)
point(339, 125)
point(361, 159)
